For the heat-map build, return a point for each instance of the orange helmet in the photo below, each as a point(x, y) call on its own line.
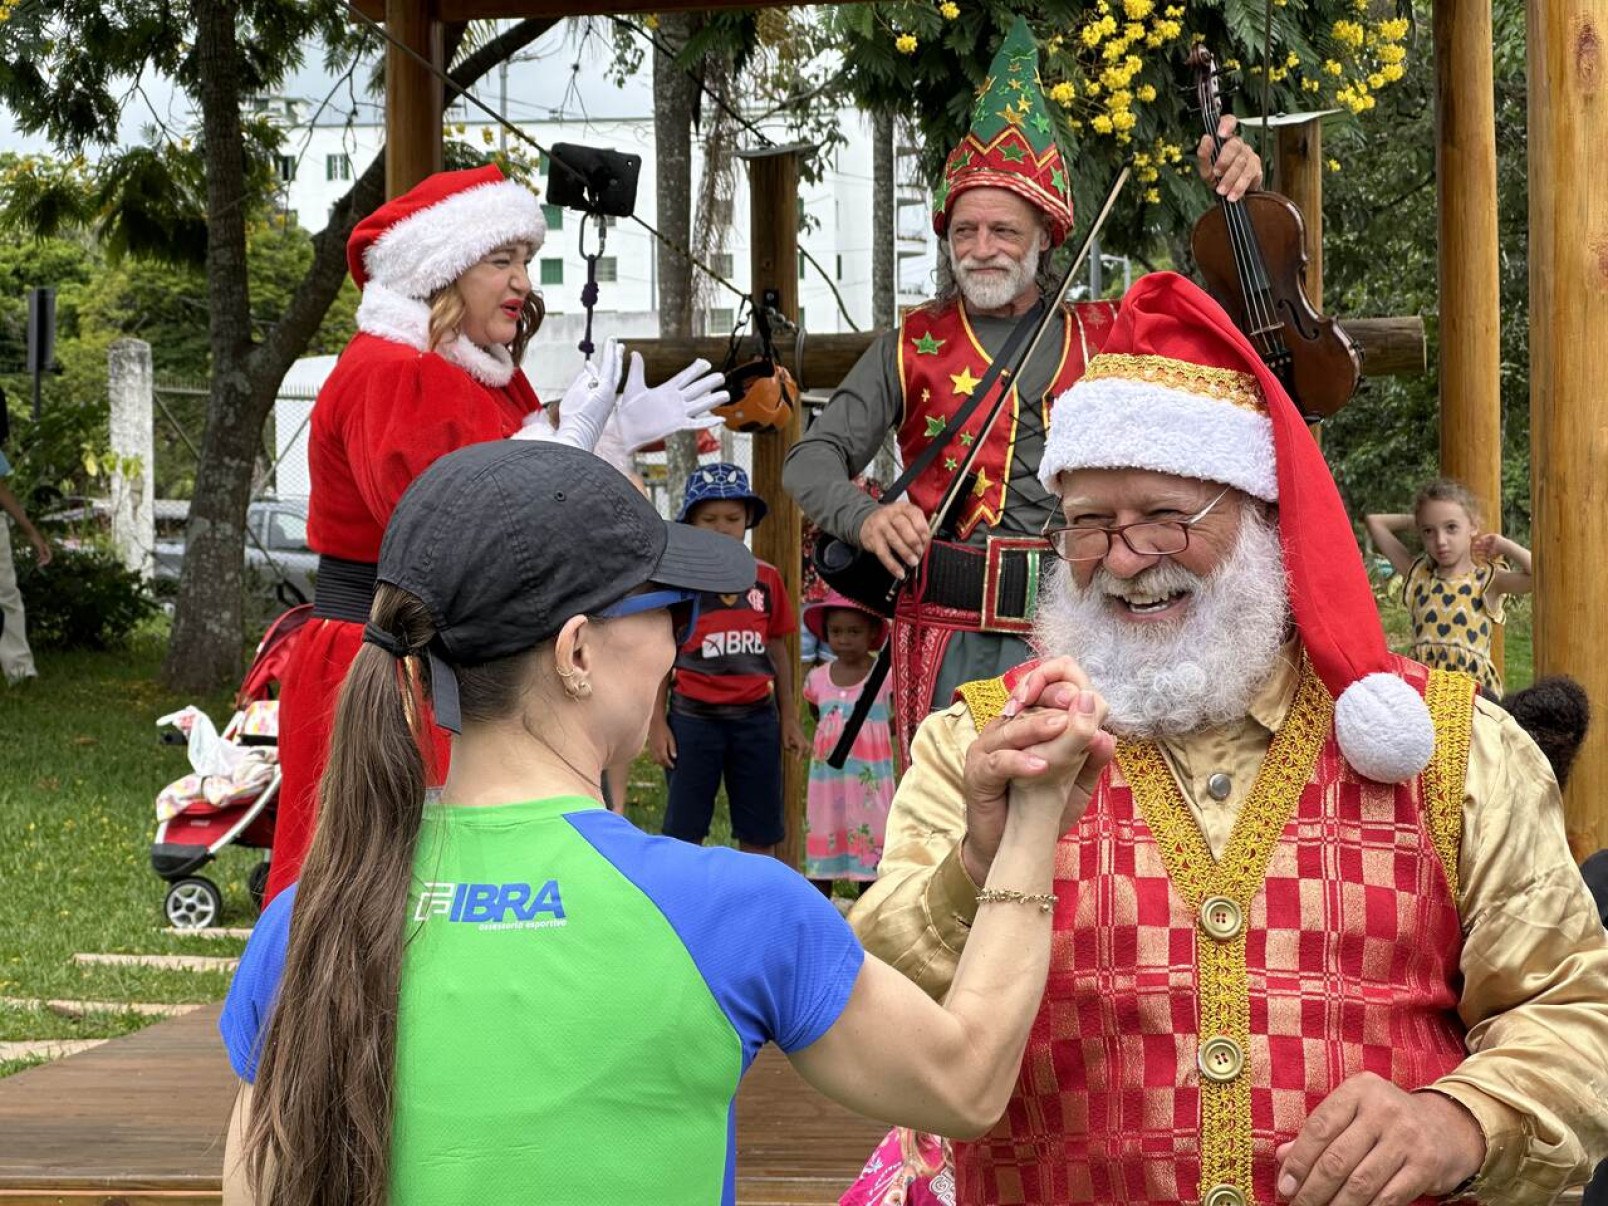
point(763, 397)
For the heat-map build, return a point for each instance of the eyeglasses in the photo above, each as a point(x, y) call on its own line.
point(1147, 538)
point(682, 605)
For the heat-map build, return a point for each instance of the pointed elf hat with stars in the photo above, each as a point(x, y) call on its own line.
point(1011, 143)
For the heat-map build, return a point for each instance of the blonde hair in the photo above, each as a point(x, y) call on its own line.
point(1448, 489)
point(446, 317)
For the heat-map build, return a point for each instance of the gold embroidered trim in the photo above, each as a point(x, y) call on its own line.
point(1449, 698)
point(985, 699)
point(1223, 385)
point(1222, 979)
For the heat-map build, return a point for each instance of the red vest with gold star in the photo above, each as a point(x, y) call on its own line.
point(941, 361)
point(1198, 1010)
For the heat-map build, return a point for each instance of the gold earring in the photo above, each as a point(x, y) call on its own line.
point(575, 686)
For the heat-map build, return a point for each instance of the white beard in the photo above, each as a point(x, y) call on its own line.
point(995, 293)
point(1204, 669)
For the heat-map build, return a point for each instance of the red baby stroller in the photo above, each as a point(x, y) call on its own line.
point(229, 796)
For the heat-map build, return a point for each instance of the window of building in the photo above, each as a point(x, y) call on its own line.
point(721, 320)
point(608, 268)
point(287, 168)
point(721, 262)
point(801, 265)
point(720, 211)
point(337, 167)
point(554, 214)
point(552, 272)
point(840, 267)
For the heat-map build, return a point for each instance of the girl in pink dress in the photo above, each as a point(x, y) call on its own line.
point(848, 808)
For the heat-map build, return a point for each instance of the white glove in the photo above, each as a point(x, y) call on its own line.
point(682, 403)
point(585, 407)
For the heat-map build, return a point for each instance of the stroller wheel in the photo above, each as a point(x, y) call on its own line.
point(193, 903)
point(257, 883)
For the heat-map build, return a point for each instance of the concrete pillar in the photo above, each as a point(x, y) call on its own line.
point(128, 380)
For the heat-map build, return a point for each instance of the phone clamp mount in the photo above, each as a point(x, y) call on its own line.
point(599, 184)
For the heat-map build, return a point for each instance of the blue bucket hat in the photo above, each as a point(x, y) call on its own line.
point(721, 480)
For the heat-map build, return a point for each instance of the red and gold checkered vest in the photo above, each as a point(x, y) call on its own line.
point(1198, 1011)
point(941, 360)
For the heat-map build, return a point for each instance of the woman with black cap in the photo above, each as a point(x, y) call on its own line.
point(512, 994)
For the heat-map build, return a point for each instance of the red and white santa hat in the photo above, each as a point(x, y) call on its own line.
point(426, 238)
point(1178, 389)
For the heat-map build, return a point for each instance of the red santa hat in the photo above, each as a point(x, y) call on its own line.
point(1178, 389)
point(426, 238)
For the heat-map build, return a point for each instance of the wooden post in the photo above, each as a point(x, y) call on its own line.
point(413, 96)
point(1568, 127)
point(1470, 296)
point(1299, 149)
point(773, 264)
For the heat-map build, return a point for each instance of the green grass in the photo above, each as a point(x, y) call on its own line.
point(17, 1023)
point(80, 766)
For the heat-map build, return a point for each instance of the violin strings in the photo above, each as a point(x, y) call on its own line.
point(1242, 245)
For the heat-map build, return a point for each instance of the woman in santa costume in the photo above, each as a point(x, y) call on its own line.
point(446, 313)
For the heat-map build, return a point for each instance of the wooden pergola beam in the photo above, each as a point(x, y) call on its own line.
point(1568, 127)
point(414, 99)
point(483, 10)
point(1470, 286)
point(773, 260)
point(1394, 347)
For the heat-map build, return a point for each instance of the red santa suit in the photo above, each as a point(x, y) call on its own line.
point(390, 408)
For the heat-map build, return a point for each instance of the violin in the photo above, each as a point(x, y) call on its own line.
point(1252, 257)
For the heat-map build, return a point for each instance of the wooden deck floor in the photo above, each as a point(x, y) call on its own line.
point(139, 1121)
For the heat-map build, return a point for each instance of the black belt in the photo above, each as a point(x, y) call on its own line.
point(344, 590)
point(999, 581)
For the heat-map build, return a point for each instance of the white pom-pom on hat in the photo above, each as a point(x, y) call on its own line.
point(1383, 728)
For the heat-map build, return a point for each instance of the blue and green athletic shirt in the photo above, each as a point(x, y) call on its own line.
point(578, 1003)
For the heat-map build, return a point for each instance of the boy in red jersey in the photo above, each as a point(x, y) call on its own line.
point(731, 710)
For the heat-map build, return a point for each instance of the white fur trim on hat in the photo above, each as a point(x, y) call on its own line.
point(434, 246)
point(406, 320)
point(1113, 423)
point(1383, 728)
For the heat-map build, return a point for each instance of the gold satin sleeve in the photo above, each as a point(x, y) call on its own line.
point(1535, 977)
point(918, 912)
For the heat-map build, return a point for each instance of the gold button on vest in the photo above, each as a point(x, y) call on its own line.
point(1221, 918)
point(1223, 1195)
point(1220, 1059)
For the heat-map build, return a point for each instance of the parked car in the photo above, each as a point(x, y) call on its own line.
point(277, 556)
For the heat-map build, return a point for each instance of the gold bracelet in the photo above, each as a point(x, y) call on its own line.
point(1045, 900)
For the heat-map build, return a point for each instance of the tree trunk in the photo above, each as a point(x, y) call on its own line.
point(674, 94)
point(884, 286)
point(207, 643)
point(884, 290)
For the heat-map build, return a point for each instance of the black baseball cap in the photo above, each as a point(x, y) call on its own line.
point(505, 542)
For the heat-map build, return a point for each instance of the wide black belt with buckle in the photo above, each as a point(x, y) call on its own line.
point(343, 590)
point(999, 580)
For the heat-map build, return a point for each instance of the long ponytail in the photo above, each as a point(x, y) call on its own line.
point(322, 1105)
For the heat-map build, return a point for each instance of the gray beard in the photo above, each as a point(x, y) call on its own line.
point(1204, 669)
point(996, 295)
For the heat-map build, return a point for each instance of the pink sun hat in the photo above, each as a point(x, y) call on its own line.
point(815, 617)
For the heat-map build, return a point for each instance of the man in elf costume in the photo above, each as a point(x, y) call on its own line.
point(1319, 936)
point(1004, 204)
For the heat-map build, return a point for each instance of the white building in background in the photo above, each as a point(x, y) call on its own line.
point(324, 158)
